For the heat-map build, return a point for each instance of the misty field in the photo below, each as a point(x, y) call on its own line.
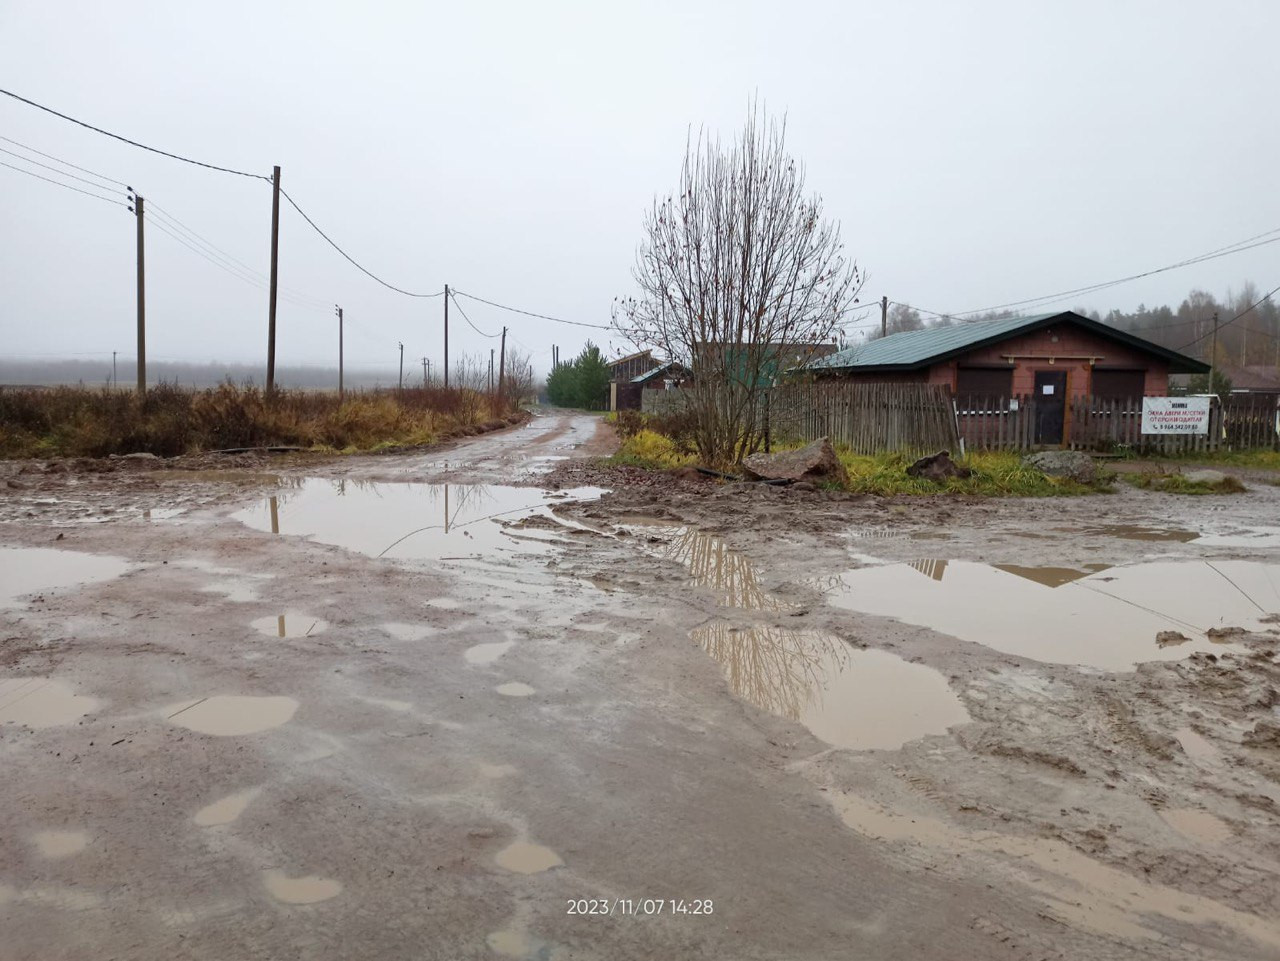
point(168, 421)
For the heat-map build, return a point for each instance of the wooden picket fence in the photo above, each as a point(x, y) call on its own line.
point(867, 418)
point(1245, 422)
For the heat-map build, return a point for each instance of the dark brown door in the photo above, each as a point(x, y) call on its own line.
point(1051, 405)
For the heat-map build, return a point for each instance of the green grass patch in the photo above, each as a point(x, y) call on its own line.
point(995, 474)
point(652, 451)
point(1178, 484)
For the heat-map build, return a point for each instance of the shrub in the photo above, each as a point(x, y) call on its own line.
point(653, 451)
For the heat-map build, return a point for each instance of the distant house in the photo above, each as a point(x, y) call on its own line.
point(1254, 379)
point(630, 396)
point(1055, 357)
point(775, 360)
point(625, 369)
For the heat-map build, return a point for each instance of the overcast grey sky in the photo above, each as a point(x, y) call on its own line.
point(974, 153)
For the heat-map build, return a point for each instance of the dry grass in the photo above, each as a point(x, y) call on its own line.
point(83, 422)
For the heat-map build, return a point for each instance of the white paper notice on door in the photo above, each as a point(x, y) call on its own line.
point(1047, 389)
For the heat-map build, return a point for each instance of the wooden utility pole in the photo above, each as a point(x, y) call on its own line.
point(490, 370)
point(502, 363)
point(142, 298)
point(884, 316)
point(115, 381)
point(424, 372)
point(446, 336)
point(401, 385)
point(275, 262)
point(339, 310)
point(1213, 353)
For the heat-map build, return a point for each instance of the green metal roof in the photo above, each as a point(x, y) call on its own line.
point(919, 348)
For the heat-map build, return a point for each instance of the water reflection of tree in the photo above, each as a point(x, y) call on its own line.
point(781, 671)
point(725, 572)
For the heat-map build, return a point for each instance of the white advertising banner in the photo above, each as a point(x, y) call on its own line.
point(1175, 415)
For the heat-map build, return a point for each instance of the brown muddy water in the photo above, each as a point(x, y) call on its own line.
point(409, 521)
point(849, 698)
point(1106, 618)
point(38, 570)
point(37, 702)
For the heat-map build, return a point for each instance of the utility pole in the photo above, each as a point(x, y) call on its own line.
point(275, 261)
point(490, 370)
point(339, 310)
point(401, 367)
point(115, 381)
point(502, 363)
point(446, 336)
point(1213, 353)
point(142, 299)
point(884, 316)
point(424, 372)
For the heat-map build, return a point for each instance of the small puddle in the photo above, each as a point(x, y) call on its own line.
point(487, 653)
point(226, 810)
point(1196, 746)
point(515, 689)
point(39, 702)
point(60, 844)
point(37, 570)
point(226, 715)
point(410, 521)
point(1197, 825)
point(849, 698)
point(1107, 618)
point(712, 565)
point(1262, 537)
point(289, 624)
point(307, 890)
point(525, 858)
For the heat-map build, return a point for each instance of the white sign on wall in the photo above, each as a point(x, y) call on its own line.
point(1175, 415)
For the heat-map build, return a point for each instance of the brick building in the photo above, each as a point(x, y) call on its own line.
point(1054, 357)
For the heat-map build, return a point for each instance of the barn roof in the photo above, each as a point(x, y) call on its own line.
point(920, 348)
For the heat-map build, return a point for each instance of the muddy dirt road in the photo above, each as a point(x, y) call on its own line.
point(467, 704)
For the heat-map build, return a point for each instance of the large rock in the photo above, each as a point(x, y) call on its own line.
point(813, 462)
point(1074, 464)
point(938, 467)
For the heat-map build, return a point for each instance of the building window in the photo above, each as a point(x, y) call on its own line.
point(977, 385)
point(1118, 384)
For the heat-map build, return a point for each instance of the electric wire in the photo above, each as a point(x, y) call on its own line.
point(352, 260)
point(530, 313)
point(1248, 310)
point(468, 319)
point(298, 296)
point(59, 183)
point(65, 163)
point(60, 173)
point(133, 143)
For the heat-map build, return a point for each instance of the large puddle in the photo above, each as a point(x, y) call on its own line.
point(1107, 618)
point(859, 699)
point(35, 570)
point(412, 521)
point(226, 715)
point(711, 564)
point(38, 702)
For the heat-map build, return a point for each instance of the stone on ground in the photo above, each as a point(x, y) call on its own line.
point(813, 462)
point(1211, 477)
point(1073, 464)
point(937, 468)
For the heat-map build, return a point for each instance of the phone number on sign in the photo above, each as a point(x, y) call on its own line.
point(639, 907)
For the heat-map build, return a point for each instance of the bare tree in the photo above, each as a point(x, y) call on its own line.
point(740, 278)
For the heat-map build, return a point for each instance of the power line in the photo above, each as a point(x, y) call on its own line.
point(1248, 310)
point(356, 263)
point(16, 143)
point(1238, 247)
point(59, 183)
point(529, 313)
point(261, 279)
point(61, 173)
point(134, 143)
point(468, 319)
